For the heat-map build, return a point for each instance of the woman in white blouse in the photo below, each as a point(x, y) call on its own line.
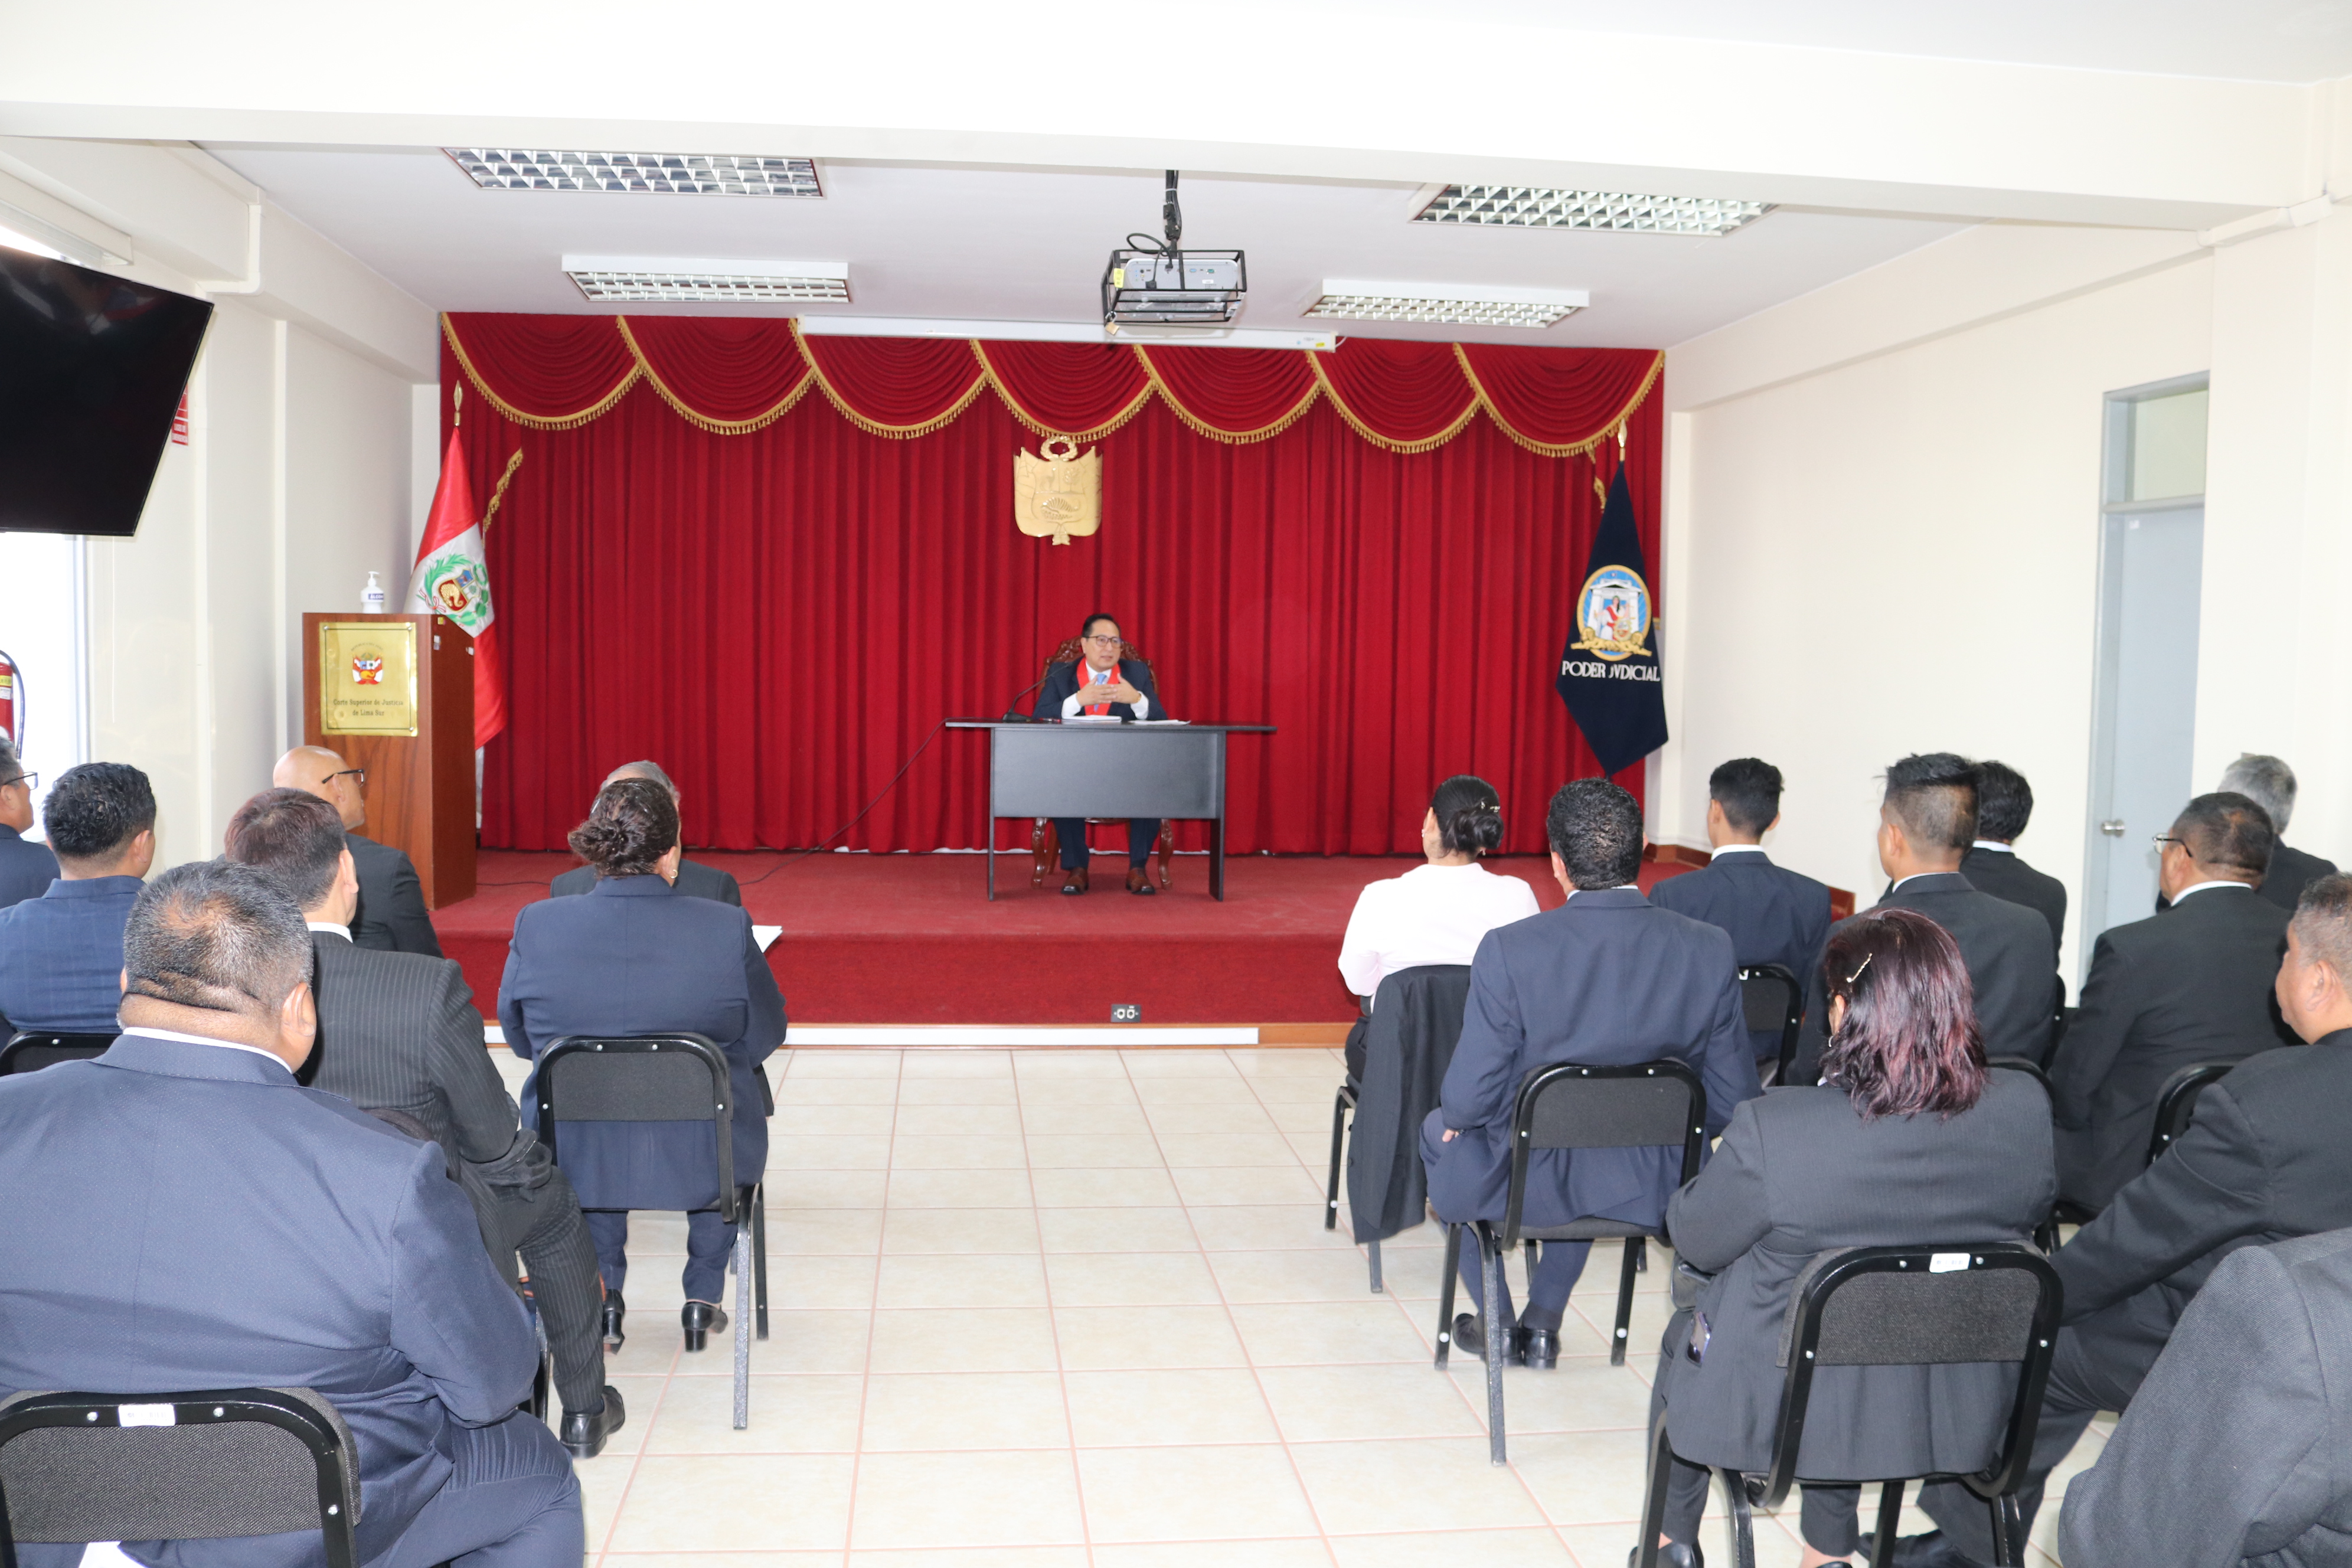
point(1437, 914)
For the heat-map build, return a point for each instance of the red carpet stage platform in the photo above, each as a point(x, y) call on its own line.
point(910, 939)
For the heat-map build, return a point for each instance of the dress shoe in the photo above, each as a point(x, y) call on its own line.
point(1680, 1554)
point(1933, 1550)
point(1138, 880)
point(584, 1431)
point(1537, 1348)
point(1470, 1338)
point(700, 1318)
point(614, 1310)
point(1073, 880)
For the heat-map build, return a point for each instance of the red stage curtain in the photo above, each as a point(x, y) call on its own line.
point(781, 616)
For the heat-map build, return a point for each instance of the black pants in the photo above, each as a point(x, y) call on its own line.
point(1142, 833)
point(1558, 1266)
point(710, 1241)
point(544, 1224)
point(1825, 1516)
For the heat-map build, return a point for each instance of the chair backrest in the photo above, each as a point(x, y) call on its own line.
point(2176, 1103)
point(1635, 1105)
point(2032, 1069)
point(1920, 1306)
point(1772, 999)
point(638, 1078)
point(178, 1467)
point(30, 1051)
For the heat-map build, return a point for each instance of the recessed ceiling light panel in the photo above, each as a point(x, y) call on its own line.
point(1448, 304)
point(1532, 206)
point(637, 173)
point(664, 279)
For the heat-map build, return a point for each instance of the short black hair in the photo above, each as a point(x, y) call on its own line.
point(1748, 790)
point(218, 935)
point(1087, 626)
point(1469, 815)
point(2228, 831)
point(2004, 801)
point(293, 835)
point(1934, 795)
point(1595, 828)
point(95, 809)
point(2323, 922)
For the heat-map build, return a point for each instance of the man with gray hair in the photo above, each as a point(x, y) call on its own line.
point(695, 881)
point(26, 869)
point(2269, 784)
point(203, 1221)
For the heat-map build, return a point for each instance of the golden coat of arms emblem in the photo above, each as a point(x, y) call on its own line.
point(1057, 493)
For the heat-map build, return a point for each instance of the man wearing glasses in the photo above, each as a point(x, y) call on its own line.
point(1100, 684)
point(26, 869)
point(2191, 984)
point(391, 916)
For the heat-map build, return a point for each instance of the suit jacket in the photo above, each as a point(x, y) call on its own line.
point(191, 1217)
point(26, 869)
point(391, 917)
point(61, 955)
point(2290, 869)
point(634, 956)
point(2191, 984)
point(695, 881)
point(2004, 876)
point(1606, 978)
point(2011, 958)
point(1409, 1042)
point(2238, 1446)
point(1062, 683)
point(1774, 915)
point(1800, 1172)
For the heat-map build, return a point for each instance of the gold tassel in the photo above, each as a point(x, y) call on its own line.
point(501, 493)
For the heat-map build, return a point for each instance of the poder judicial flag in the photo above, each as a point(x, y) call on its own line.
point(453, 579)
point(1609, 672)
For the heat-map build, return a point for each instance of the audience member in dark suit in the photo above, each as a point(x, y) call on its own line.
point(2269, 784)
point(1924, 825)
point(1772, 915)
point(2265, 1159)
point(399, 1031)
point(636, 957)
point(1122, 688)
point(2238, 1446)
point(1908, 1139)
point(61, 954)
point(694, 879)
point(2004, 806)
point(391, 917)
point(2191, 984)
point(184, 1215)
point(1605, 978)
point(26, 869)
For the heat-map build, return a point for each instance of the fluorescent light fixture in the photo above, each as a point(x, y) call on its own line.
point(1533, 206)
point(695, 280)
point(12, 240)
point(1451, 304)
point(20, 230)
point(637, 173)
point(1061, 332)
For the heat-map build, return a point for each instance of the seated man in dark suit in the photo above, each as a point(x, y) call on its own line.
point(694, 879)
point(399, 1031)
point(1606, 978)
point(1115, 687)
point(26, 869)
point(2004, 806)
point(1772, 915)
point(1924, 825)
point(2189, 984)
point(61, 954)
point(186, 1215)
point(2269, 784)
point(391, 917)
point(2265, 1159)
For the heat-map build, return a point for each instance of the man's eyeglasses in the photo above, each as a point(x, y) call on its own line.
point(27, 780)
point(359, 773)
point(1101, 642)
point(2161, 839)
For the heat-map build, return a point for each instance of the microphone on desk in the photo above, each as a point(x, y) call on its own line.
point(1012, 715)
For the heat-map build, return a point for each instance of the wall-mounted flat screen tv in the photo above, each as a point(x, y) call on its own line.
point(92, 371)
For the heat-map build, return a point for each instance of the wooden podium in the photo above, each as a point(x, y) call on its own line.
point(394, 695)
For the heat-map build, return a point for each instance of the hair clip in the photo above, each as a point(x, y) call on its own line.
point(1866, 964)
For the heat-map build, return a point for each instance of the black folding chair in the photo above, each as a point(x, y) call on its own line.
point(667, 1078)
point(176, 1467)
point(1568, 1106)
point(30, 1051)
point(1898, 1306)
point(2176, 1103)
point(1771, 998)
point(2065, 1211)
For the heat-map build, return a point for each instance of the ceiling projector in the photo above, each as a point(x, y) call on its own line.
point(1166, 286)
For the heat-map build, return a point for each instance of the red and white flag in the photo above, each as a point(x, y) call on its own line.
point(453, 580)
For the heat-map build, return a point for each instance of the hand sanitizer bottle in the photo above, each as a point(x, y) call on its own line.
point(371, 597)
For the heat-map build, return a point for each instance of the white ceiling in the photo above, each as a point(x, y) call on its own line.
point(1027, 245)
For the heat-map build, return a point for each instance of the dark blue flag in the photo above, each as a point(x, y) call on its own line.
point(1609, 671)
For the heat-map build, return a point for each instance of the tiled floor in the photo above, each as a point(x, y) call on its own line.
point(1077, 1307)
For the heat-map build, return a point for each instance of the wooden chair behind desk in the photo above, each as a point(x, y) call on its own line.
point(1044, 843)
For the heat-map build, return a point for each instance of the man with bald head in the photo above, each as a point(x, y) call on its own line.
point(695, 881)
point(391, 917)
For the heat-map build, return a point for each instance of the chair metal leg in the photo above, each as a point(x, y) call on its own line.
point(1490, 1270)
point(1641, 1255)
point(1890, 1524)
point(1653, 1497)
point(1625, 1273)
point(1445, 1294)
point(2045, 1236)
point(759, 1253)
point(742, 1328)
point(1374, 1250)
point(1339, 1133)
point(2008, 1532)
point(1741, 1520)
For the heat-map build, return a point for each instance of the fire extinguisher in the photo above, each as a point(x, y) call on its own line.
point(12, 704)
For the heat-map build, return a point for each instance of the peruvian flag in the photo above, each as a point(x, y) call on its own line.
point(453, 579)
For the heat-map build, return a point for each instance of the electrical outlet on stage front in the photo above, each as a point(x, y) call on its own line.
point(1125, 1013)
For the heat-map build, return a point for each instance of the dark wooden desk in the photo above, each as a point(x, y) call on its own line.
point(1047, 769)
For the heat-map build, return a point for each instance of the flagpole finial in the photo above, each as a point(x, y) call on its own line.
point(457, 405)
point(1621, 438)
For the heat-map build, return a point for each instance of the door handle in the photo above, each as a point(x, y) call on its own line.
point(2112, 829)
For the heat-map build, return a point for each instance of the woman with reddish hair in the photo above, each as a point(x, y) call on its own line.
point(1907, 1140)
